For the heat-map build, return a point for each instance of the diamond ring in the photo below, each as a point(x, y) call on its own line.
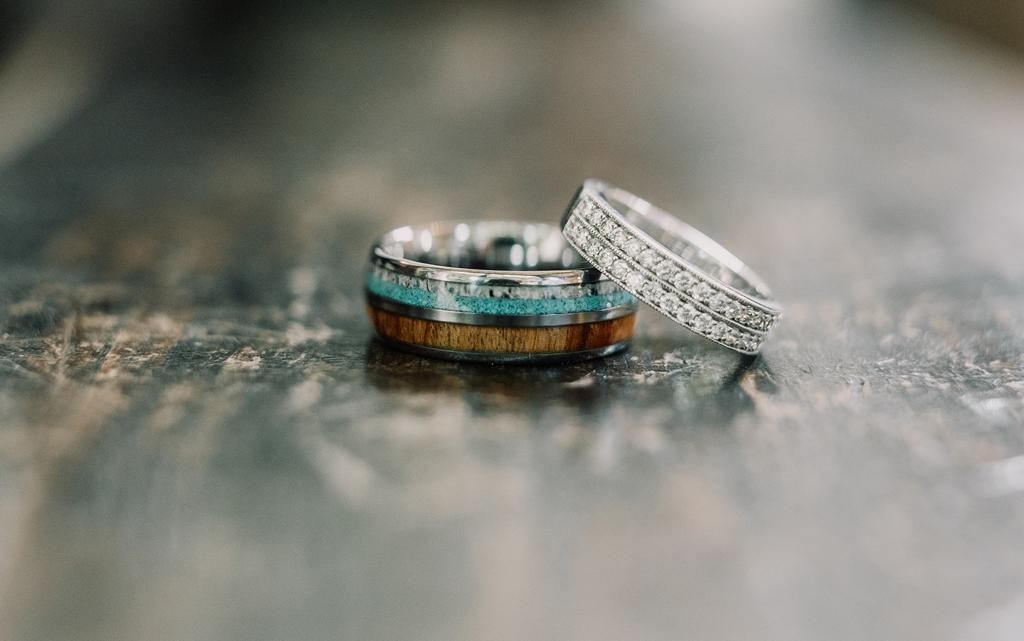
point(493, 291)
point(671, 266)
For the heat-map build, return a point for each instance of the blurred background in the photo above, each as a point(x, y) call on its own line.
point(199, 438)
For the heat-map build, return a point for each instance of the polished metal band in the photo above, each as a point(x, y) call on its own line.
point(671, 266)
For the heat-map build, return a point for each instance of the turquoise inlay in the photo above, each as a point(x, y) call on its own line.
point(530, 307)
point(418, 297)
point(408, 295)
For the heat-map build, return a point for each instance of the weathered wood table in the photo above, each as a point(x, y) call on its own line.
point(199, 438)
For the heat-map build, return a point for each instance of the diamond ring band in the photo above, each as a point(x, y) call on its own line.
point(671, 266)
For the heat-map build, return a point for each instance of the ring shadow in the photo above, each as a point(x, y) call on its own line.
point(696, 381)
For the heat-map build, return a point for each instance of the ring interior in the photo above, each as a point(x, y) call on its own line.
point(686, 242)
point(485, 245)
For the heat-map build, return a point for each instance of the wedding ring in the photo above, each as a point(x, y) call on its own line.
point(493, 291)
point(671, 266)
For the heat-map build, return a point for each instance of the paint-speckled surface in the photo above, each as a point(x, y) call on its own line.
point(199, 440)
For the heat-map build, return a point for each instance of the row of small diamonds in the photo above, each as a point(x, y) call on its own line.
point(652, 292)
point(686, 282)
point(518, 292)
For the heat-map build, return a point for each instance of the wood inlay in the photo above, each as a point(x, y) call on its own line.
point(476, 338)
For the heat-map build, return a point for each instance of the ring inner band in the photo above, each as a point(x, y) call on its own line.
point(484, 245)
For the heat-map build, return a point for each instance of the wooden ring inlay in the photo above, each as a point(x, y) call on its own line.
point(515, 340)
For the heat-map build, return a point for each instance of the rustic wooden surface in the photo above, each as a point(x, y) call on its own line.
point(200, 440)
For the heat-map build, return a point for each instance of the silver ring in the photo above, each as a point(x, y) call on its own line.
point(490, 273)
point(494, 291)
point(671, 266)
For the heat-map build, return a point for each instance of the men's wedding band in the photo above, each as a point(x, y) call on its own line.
point(671, 266)
point(493, 291)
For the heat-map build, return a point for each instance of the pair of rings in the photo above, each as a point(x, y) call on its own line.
point(532, 292)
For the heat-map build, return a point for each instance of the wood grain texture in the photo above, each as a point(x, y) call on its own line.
point(517, 340)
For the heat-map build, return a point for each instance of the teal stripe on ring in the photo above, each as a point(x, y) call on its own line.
point(418, 297)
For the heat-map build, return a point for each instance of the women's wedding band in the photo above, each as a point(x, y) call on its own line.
point(493, 291)
point(671, 266)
